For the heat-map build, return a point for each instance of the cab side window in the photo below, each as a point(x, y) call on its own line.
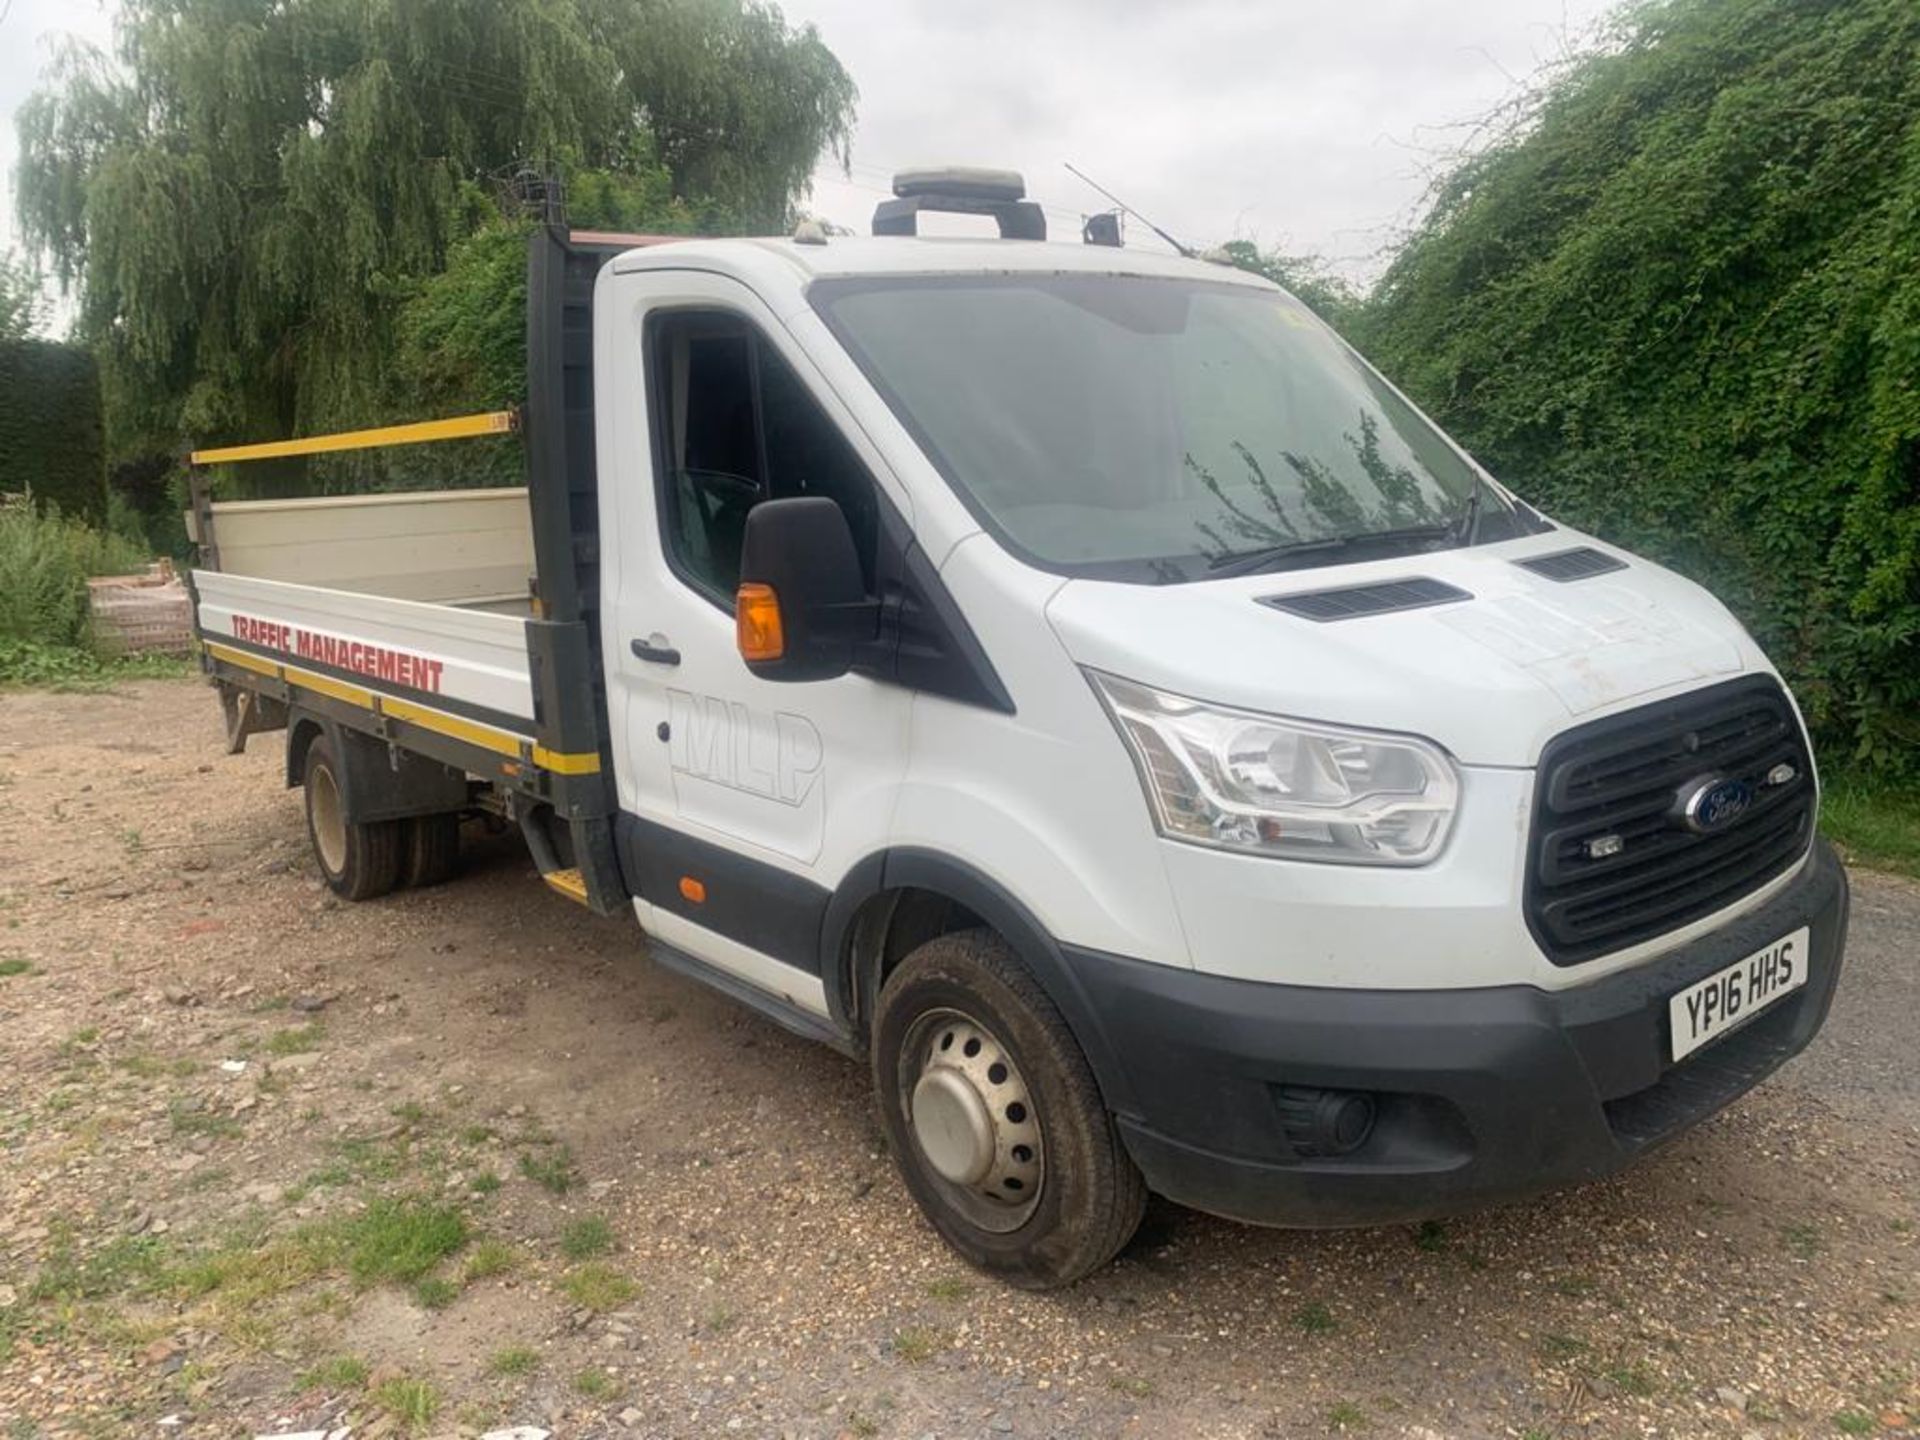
point(736, 426)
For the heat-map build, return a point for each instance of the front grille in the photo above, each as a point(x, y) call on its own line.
point(1612, 860)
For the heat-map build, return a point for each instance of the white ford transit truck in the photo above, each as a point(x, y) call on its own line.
point(1076, 683)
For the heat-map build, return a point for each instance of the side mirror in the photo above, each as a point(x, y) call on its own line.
point(802, 607)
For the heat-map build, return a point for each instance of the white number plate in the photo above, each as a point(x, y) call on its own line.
point(1711, 1007)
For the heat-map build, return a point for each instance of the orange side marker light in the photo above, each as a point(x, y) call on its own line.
point(692, 890)
point(757, 626)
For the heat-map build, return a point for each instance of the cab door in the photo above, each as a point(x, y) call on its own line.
point(744, 800)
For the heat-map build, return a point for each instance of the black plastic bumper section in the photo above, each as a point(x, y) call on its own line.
point(1481, 1095)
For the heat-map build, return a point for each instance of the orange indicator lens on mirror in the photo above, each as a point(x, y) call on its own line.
point(756, 613)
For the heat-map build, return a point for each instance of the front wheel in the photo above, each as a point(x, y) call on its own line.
point(995, 1119)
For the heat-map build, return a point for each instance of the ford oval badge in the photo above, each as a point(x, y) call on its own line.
point(1714, 803)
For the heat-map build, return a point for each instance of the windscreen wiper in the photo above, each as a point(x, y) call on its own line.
point(1278, 557)
point(1433, 530)
point(1462, 529)
point(1465, 527)
point(1273, 557)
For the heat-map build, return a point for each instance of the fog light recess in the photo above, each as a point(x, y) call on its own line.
point(1323, 1124)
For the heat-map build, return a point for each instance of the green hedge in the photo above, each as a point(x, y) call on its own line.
point(50, 437)
point(1681, 307)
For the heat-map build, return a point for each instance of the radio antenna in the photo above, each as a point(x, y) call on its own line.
point(1128, 209)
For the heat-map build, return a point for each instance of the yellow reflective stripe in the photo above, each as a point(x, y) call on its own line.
point(494, 422)
point(293, 675)
point(569, 883)
point(502, 742)
point(473, 732)
point(327, 685)
point(564, 764)
point(242, 658)
point(487, 737)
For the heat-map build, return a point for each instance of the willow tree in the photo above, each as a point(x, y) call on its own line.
point(1680, 303)
point(244, 191)
point(739, 107)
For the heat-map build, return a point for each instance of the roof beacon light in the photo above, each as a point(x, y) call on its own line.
point(961, 190)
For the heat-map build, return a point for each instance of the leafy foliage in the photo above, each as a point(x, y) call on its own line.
point(1306, 276)
point(250, 197)
point(50, 438)
point(21, 303)
point(45, 561)
point(1680, 305)
point(68, 667)
point(147, 500)
point(740, 106)
point(460, 335)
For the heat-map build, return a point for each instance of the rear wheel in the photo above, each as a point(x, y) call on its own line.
point(995, 1119)
point(429, 849)
point(359, 861)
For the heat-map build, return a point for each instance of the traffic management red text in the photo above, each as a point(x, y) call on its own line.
point(397, 667)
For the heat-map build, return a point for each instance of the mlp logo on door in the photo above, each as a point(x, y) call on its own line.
point(776, 757)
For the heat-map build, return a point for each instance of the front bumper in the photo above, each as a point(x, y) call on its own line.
point(1482, 1095)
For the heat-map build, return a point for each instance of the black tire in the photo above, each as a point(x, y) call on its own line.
point(429, 849)
point(1090, 1195)
point(358, 861)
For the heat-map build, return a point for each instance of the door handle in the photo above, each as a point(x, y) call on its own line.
point(661, 654)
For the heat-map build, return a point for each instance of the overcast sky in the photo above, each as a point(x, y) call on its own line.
point(1309, 125)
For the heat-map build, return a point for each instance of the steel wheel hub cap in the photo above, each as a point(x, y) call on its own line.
point(955, 1131)
point(973, 1119)
point(329, 820)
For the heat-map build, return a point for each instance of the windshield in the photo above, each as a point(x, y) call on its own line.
point(1147, 429)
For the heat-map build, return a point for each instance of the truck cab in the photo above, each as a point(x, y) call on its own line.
point(1074, 682)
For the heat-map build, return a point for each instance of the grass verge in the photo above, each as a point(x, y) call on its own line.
point(1874, 824)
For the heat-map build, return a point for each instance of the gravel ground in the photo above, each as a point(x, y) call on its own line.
point(464, 1158)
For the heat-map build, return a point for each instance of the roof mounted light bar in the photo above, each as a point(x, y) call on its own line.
point(961, 190)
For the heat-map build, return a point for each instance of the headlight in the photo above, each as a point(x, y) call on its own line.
point(1283, 787)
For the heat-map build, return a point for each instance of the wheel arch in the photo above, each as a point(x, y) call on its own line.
point(378, 780)
point(897, 899)
point(303, 728)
